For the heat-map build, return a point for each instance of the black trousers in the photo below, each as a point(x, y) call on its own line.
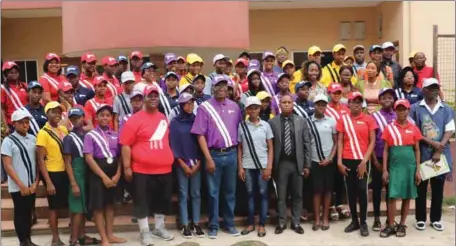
point(377, 186)
point(437, 185)
point(23, 215)
point(339, 188)
point(152, 193)
point(357, 190)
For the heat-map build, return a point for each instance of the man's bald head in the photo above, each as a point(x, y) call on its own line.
point(286, 104)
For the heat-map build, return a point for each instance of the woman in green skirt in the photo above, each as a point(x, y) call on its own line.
point(401, 160)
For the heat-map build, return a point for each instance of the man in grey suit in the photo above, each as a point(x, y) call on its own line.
point(292, 161)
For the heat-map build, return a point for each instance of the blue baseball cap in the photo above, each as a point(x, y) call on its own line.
point(122, 58)
point(76, 112)
point(72, 70)
point(148, 65)
point(168, 74)
point(385, 90)
point(375, 47)
point(302, 84)
point(34, 84)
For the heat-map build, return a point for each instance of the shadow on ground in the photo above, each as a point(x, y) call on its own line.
point(244, 243)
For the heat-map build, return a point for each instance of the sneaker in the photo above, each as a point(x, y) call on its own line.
point(420, 225)
point(353, 226)
point(364, 230)
point(232, 231)
point(146, 238)
point(163, 234)
point(377, 225)
point(186, 233)
point(437, 226)
point(198, 231)
point(212, 234)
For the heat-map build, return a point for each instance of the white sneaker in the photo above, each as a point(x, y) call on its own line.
point(437, 226)
point(163, 234)
point(146, 238)
point(420, 225)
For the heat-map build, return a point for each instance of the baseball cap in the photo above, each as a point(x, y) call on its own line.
point(388, 45)
point(375, 47)
point(430, 81)
point(251, 71)
point(185, 97)
point(76, 111)
point(254, 64)
point(280, 76)
point(147, 65)
point(385, 90)
point(244, 53)
point(358, 47)
point(349, 57)
point(192, 58)
point(412, 54)
point(219, 57)
point(20, 114)
point(267, 54)
point(219, 78)
point(171, 74)
point(98, 80)
point(88, 57)
point(180, 58)
point(339, 47)
point(199, 76)
point(170, 57)
point(355, 94)
point(242, 61)
point(320, 97)
point(263, 95)
point(51, 105)
point(333, 87)
point(287, 62)
point(65, 86)
point(136, 93)
point(149, 89)
point(72, 70)
point(33, 84)
point(103, 107)
point(312, 50)
point(51, 56)
point(122, 58)
point(127, 76)
point(403, 102)
point(183, 87)
point(136, 54)
point(108, 60)
point(9, 65)
point(229, 61)
point(252, 100)
point(302, 84)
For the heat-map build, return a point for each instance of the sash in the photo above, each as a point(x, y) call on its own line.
point(54, 83)
point(112, 88)
point(86, 84)
point(163, 100)
point(77, 141)
point(94, 104)
point(251, 145)
point(316, 136)
point(267, 84)
point(25, 159)
point(102, 143)
point(13, 97)
point(220, 125)
point(333, 72)
point(331, 112)
point(399, 94)
point(395, 134)
point(381, 120)
point(56, 138)
point(297, 109)
point(124, 104)
point(353, 139)
point(276, 99)
point(33, 124)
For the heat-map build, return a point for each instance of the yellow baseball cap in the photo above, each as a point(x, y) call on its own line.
point(263, 95)
point(192, 58)
point(287, 62)
point(338, 47)
point(51, 105)
point(412, 54)
point(312, 50)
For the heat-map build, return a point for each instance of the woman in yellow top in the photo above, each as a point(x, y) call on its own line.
point(370, 85)
point(49, 148)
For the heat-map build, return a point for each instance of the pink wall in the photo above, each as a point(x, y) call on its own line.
point(95, 25)
point(16, 4)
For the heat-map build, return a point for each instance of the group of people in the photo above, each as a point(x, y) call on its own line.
point(315, 135)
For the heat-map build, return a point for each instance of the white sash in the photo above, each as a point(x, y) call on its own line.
point(52, 81)
point(381, 120)
point(102, 143)
point(395, 134)
point(33, 124)
point(13, 97)
point(331, 112)
point(86, 84)
point(221, 127)
point(77, 141)
point(164, 100)
point(353, 139)
point(112, 88)
point(267, 85)
point(276, 99)
point(399, 94)
point(300, 111)
point(94, 104)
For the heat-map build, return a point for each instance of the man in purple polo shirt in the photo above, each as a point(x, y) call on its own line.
point(268, 69)
point(216, 125)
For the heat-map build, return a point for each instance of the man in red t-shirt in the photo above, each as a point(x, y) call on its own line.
point(424, 71)
point(148, 159)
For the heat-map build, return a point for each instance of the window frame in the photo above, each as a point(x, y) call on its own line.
point(26, 80)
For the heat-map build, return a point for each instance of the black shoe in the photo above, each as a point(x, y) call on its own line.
point(245, 231)
point(354, 225)
point(377, 226)
point(134, 220)
point(186, 232)
point(262, 234)
point(198, 231)
point(298, 229)
point(279, 229)
point(364, 230)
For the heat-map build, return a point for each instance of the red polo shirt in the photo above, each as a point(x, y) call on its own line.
point(424, 73)
point(138, 76)
point(92, 106)
point(114, 87)
point(50, 83)
point(17, 98)
point(397, 135)
point(336, 111)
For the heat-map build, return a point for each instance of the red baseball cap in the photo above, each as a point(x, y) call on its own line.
point(149, 89)
point(137, 54)
point(108, 60)
point(88, 57)
point(403, 102)
point(354, 95)
point(98, 80)
point(65, 86)
point(180, 58)
point(333, 87)
point(243, 61)
point(9, 65)
point(51, 56)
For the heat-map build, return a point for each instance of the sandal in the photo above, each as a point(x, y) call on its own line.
point(58, 243)
point(245, 231)
point(316, 227)
point(386, 232)
point(86, 240)
point(400, 232)
point(333, 214)
point(325, 227)
point(344, 213)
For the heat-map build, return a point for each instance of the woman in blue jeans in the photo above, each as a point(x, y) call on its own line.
point(255, 162)
point(188, 159)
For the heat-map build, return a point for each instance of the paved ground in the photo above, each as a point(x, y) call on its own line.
point(335, 236)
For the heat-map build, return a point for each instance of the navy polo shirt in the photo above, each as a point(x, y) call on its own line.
point(82, 95)
point(307, 105)
point(413, 96)
point(38, 114)
point(433, 124)
point(202, 99)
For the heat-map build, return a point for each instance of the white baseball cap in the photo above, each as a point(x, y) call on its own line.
point(20, 114)
point(253, 100)
point(430, 81)
point(320, 97)
point(127, 76)
point(387, 45)
point(219, 57)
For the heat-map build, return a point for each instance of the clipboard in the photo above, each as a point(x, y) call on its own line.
point(429, 170)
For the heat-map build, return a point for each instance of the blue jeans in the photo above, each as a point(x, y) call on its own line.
point(255, 183)
point(195, 195)
point(226, 170)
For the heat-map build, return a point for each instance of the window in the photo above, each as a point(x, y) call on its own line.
point(28, 70)
point(300, 57)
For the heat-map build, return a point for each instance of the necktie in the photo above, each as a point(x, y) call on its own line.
point(287, 137)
